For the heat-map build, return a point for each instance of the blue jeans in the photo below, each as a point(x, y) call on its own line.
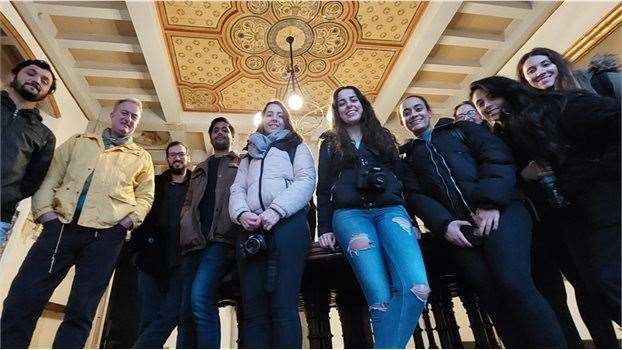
point(270, 286)
point(385, 256)
point(4, 229)
point(165, 304)
point(216, 259)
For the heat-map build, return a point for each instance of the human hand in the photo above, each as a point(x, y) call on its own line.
point(269, 218)
point(250, 221)
point(487, 220)
point(49, 216)
point(534, 171)
point(327, 240)
point(455, 236)
point(127, 223)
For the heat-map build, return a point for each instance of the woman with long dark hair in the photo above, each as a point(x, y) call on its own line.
point(543, 69)
point(576, 135)
point(269, 198)
point(361, 206)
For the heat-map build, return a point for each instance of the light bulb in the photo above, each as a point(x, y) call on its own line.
point(295, 101)
point(257, 119)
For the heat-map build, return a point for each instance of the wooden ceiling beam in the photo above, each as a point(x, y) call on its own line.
point(53, 9)
point(117, 93)
point(99, 42)
point(471, 39)
point(146, 23)
point(112, 70)
point(451, 66)
point(506, 9)
point(434, 88)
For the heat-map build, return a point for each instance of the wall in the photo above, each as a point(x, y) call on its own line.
point(72, 121)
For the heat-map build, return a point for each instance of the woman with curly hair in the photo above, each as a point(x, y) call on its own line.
point(361, 206)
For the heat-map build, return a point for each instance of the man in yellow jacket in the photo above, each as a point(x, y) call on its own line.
point(97, 188)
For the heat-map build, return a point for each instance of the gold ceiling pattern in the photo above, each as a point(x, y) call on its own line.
point(232, 56)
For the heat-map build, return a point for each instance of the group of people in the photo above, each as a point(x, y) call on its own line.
point(521, 187)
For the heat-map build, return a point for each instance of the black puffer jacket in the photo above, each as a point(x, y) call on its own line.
point(336, 188)
point(464, 165)
point(27, 150)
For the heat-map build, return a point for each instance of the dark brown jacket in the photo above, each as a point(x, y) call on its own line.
point(222, 230)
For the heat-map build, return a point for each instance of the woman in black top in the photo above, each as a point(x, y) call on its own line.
point(577, 135)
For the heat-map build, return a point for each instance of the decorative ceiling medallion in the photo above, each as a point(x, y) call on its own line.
point(258, 7)
point(199, 99)
point(330, 40)
point(300, 30)
point(238, 61)
point(249, 34)
point(305, 10)
point(332, 10)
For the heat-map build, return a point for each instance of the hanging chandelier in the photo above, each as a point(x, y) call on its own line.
point(307, 115)
point(293, 93)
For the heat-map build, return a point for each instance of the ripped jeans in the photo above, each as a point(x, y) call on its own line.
point(385, 256)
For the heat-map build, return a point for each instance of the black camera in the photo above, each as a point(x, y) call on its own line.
point(254, 245)
point(552, 193)
point(469, 232)
point(371, 179)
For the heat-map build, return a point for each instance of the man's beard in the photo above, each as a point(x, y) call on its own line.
point(176, 171)
point(25, 94)
point(223, 146)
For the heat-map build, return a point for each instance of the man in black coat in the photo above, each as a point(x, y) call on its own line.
point(27, 144)
point(164, 278)
point(460, 180)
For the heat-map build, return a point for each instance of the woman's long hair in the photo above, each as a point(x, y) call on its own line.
point(530, 117)
point(565, 79)
point(286, 118)
point(375, 135)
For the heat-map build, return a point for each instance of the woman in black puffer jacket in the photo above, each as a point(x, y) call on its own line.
point(459, 176)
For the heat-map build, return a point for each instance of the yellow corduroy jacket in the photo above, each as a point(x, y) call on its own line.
point(122, 183)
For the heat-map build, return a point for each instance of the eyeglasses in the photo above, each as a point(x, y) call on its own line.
point(177, 155)
point(470, 115)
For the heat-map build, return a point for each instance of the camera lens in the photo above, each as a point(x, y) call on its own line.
point(252, 245)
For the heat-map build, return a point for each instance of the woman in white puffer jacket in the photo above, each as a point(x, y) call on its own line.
point(270, 194)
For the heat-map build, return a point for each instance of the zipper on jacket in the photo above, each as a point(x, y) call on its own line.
point(442, 178)
point(451, 177)
point(60, 235)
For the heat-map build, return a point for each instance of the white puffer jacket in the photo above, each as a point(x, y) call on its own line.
point(286, 188)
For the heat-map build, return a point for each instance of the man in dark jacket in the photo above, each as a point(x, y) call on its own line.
point(207, 231)
point(161, 276)
point(27, 144)
point(459, 178)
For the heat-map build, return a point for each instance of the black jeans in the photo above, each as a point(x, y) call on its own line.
point(94, 253)
point(165, 304)
point(270, 286)
point(500, 273)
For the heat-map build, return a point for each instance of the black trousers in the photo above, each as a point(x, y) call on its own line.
point(591, 229)
point(551, 257)
point(94, 253)
point(500, 273)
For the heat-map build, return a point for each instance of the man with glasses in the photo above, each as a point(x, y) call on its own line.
point(466, 111)
point(163, 278)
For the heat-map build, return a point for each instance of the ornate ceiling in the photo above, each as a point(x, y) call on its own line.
point(232, 56)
